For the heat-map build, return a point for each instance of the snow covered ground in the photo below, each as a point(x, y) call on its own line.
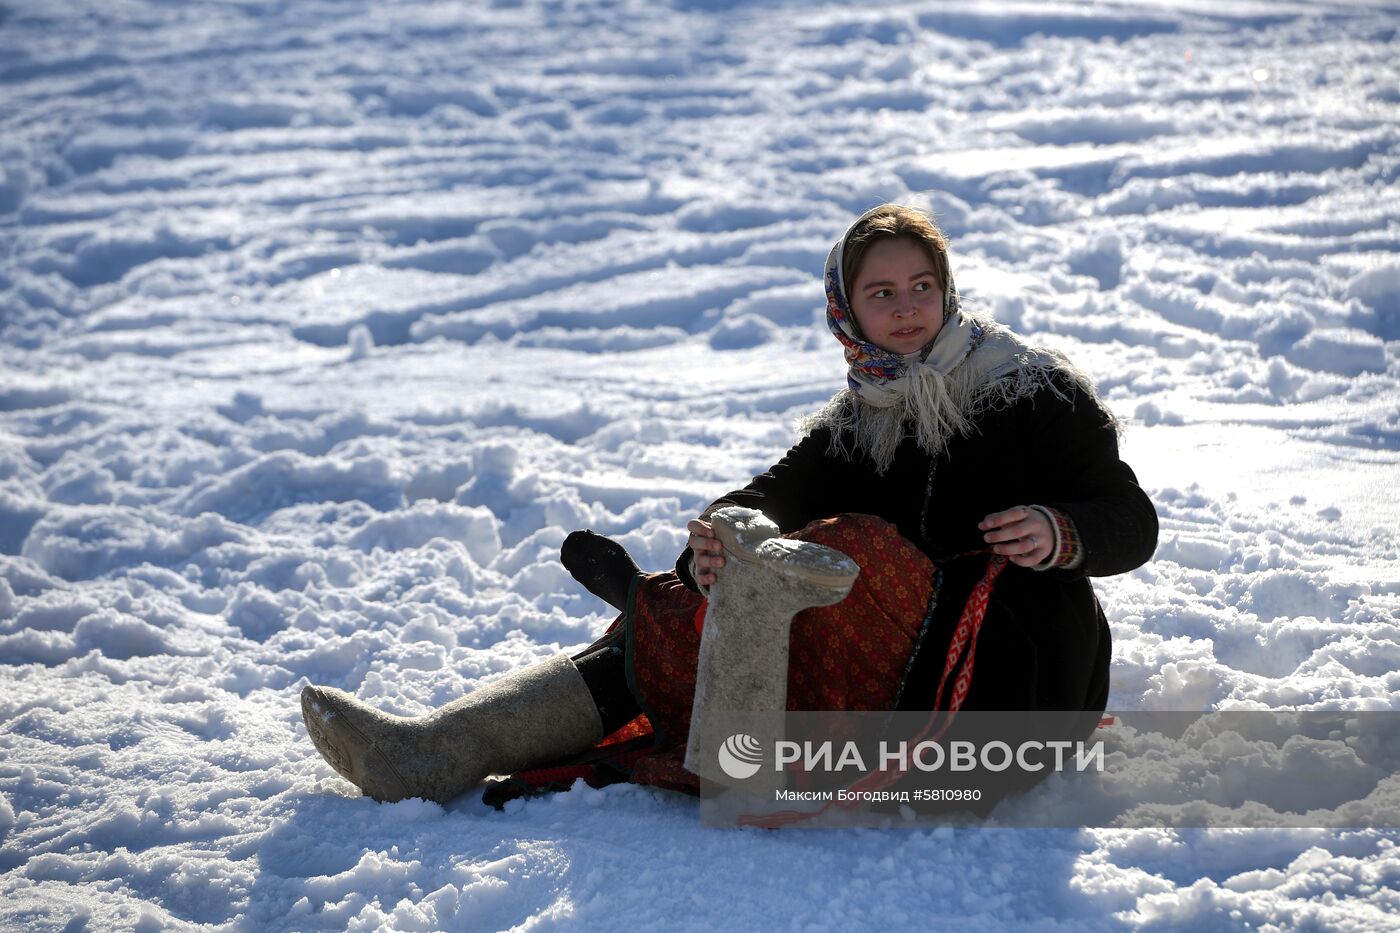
point(321, 323)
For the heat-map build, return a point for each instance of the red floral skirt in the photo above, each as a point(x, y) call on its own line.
point(850, 656)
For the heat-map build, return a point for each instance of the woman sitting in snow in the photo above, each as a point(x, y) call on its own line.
point(958, 462)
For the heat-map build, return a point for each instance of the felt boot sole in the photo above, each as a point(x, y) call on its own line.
point(349, 751)
point(749, 536)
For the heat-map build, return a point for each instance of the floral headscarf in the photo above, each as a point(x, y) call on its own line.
point(879, 376)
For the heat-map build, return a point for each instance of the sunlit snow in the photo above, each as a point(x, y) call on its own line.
point(322, 323)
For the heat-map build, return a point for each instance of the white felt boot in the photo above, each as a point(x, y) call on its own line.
point(741, 678)
point(532, 716)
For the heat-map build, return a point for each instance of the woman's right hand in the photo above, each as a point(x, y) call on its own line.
point(707, 549)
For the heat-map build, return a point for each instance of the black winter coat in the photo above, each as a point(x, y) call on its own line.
point(1044, 643)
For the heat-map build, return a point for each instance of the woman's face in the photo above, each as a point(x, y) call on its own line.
point(896, 297)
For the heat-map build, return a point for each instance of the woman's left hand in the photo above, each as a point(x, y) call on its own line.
point(1022, 534)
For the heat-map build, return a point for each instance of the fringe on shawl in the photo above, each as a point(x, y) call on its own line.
point(941, 407)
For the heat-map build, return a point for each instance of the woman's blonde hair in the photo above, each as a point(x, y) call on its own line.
point(891, 221)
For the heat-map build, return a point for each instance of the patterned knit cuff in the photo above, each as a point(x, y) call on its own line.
point(1069, 549)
